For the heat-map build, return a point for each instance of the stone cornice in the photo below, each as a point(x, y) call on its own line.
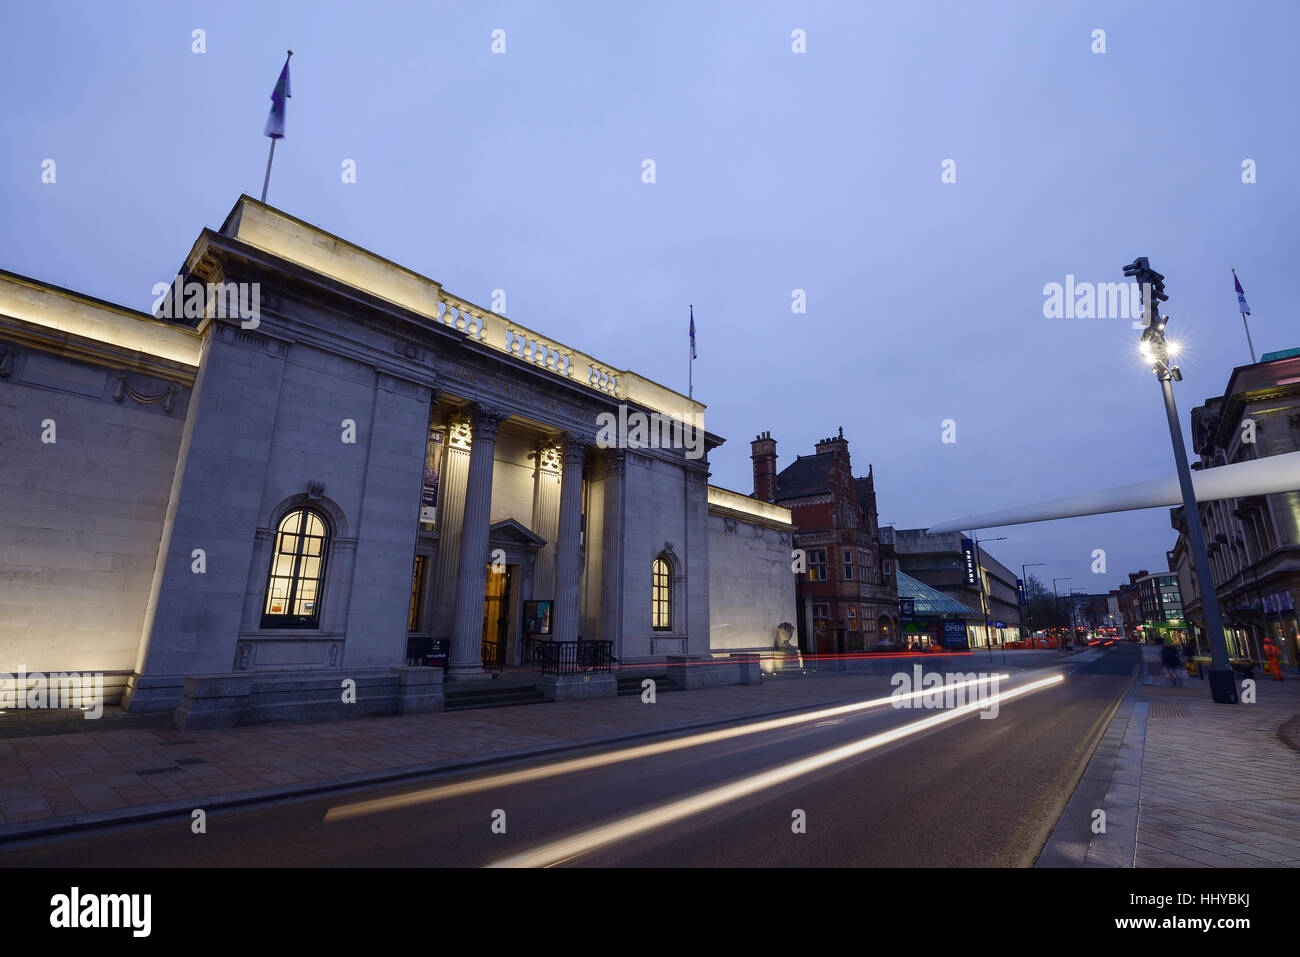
point(418, 346)
point(27, 335)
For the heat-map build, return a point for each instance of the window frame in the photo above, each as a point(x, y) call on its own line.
point(817, 565)
point(661, 594)
point(296, 577)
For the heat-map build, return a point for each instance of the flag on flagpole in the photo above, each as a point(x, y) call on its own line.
point(1241, 295)
point(692, 332)
point(275, 121)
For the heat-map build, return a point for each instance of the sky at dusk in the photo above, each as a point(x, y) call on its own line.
point(775, 171)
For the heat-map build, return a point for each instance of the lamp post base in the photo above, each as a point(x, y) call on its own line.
point(1223, 686)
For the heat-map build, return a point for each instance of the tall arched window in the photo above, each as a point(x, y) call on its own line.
point(661, 595)
point(293, 588)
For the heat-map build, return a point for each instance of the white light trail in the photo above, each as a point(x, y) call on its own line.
point(629, 827)
point(586, 763)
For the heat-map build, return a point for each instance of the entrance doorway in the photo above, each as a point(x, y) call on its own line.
point(496, 616)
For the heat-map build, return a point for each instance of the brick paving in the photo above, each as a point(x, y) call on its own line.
point(1219, 786)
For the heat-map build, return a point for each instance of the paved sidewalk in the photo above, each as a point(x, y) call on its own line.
point(1220, 788)
point(57, 782)
point(1191, 783)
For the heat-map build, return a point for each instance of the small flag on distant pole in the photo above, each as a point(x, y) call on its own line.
point(1241, 295)
point(691, 373)
point(1245, 311)
point(275, 120)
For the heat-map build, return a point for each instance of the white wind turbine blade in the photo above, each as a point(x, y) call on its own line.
point(1275, 473)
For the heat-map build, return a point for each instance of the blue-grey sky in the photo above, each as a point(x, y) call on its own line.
point(775, 171)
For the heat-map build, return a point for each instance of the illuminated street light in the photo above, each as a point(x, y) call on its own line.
point(1223, 685)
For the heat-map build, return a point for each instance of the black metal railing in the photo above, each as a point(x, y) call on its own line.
point(493, 655)
point(534, 652)
point(568, 657)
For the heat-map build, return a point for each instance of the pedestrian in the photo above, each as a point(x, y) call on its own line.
point(1169, 658)
point(1273, 665)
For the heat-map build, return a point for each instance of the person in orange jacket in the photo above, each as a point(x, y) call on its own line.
point(1274, 666)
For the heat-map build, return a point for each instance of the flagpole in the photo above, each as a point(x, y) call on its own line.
point(269, 158)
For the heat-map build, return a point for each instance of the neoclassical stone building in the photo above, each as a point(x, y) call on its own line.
point(326, 454)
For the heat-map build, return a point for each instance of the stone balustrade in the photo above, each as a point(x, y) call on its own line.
point(274, 231)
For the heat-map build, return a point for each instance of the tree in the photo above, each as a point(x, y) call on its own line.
point(1044, 610)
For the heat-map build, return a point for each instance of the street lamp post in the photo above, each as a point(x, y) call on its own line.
point(1057, 594)
point(1028, 609)
point(1154, 348)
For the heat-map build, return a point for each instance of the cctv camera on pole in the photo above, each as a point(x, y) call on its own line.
point(1156, 351)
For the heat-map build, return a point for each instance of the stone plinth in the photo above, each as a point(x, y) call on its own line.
point(578, 687)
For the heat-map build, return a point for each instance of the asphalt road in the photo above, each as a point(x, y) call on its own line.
point(963, 791)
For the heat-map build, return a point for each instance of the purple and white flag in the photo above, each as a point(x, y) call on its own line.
point(1241, 295)
point(275, 121)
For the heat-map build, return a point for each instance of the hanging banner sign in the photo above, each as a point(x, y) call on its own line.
point(429, 493)
point(968, 560)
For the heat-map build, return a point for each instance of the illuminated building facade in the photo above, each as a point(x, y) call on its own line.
point(1253, 543)
point(324, 456)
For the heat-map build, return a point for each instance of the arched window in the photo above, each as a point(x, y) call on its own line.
point(661, 595)
point(293, 588)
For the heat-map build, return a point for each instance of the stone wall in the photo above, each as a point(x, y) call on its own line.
point(86, 465)
point(751, 584)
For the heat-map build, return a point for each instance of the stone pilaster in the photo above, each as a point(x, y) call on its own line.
point(452, 485)
point(611, 602)
point(568, 565)
point(471, 575)
point(546, 515)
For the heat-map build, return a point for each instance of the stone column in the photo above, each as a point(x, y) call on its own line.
point(568, 568)
point(471, 576)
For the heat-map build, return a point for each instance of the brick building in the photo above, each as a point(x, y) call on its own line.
point(848, 597)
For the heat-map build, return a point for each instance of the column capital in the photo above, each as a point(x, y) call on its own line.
point(486, 419)
point(459, 431)
point(575, 447)
point(615, 462)
point(547, 453)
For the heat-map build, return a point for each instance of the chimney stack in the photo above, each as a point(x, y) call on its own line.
point(837, 444)
point(764, 455)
